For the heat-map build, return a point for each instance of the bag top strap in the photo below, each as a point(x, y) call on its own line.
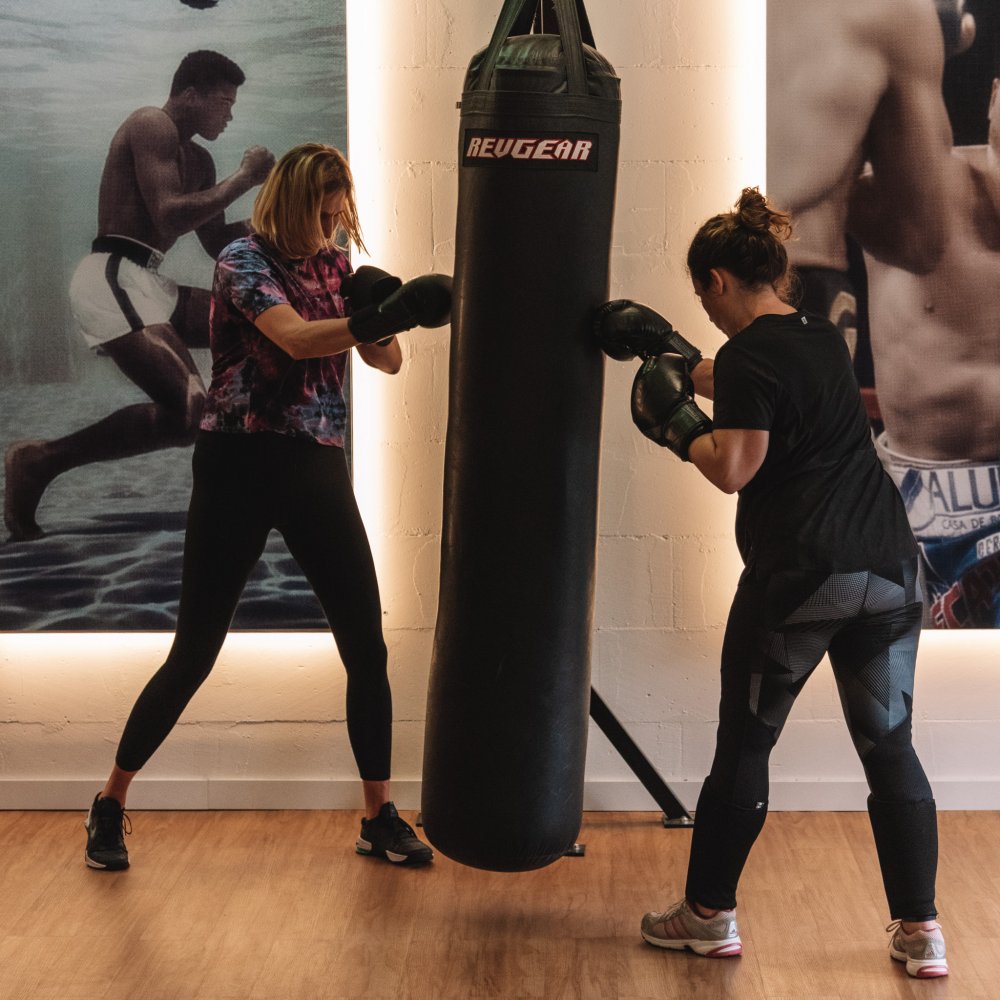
point(545, 15)
point(517, 17)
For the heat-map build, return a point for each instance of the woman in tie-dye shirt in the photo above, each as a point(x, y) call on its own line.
point(270, 455)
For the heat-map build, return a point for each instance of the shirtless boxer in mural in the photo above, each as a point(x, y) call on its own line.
point(157, 185)
point(851, 81)
point(936, 346)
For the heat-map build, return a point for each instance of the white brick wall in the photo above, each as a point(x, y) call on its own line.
point(268, 729)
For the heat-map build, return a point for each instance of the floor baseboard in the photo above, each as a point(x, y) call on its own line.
point(599, 796)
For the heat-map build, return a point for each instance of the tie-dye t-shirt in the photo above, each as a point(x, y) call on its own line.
point(256, 386)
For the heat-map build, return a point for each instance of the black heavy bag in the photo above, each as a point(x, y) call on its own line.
point(510, 679)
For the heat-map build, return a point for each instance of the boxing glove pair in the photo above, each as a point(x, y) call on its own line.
point(382, 305)
point(663, 406)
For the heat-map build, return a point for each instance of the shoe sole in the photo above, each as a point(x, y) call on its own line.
point(731, 948)
point(103, 868)
point(921, 968)
point(363, 847)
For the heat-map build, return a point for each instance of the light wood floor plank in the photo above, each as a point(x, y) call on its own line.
point(277, 906)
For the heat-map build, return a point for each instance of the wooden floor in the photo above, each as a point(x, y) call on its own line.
point(276, 905)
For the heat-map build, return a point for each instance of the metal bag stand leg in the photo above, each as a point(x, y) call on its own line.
point(674, 814)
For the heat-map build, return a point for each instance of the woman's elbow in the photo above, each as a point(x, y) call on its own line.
point(388, 366)
point(731, 478)
point(387, 359)
point(296, 351)
point(728, 484)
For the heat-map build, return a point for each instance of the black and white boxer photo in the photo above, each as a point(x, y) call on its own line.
point(850, 82)
point(935, 339)
point(157, 185)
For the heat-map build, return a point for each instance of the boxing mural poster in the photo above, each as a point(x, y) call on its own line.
point(94, 524)
point(867, 99)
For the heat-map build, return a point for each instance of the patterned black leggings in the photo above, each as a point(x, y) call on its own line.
point(777, 633)
point(245, 485)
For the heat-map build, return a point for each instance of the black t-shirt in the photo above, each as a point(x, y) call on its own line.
point(821, 500)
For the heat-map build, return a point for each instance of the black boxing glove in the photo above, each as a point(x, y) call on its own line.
point(423, 301)
point(663, 405)
point(625, 329)
point(368, 285)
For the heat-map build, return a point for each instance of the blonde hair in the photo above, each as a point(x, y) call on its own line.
point(748, 242)
point(287, 208)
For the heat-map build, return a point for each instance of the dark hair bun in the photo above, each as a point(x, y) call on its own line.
point(754, 213)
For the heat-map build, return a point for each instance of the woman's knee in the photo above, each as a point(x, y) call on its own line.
point(893, 769)
point(365, 660)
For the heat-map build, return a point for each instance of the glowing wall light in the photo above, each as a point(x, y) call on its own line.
point(748, 94)
point(744, 122)
point(368, 25)
point(97, 655)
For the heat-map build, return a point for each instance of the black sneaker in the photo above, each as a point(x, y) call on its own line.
point(107, 825)
point(387, 836)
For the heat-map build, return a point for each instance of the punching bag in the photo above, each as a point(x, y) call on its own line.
point(507, 712)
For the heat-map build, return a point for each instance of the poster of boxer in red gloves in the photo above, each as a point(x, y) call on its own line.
point(884, 142)
point(136, 134)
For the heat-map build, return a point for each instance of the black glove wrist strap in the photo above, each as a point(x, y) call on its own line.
point(685, 424)
point(370, 325)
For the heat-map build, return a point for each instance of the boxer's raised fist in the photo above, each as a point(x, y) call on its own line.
point(256, 164)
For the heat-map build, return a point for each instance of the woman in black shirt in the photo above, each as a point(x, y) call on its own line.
point(830, 569)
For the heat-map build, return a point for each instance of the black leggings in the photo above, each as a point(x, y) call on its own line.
point(244, 485)
point(778, 631)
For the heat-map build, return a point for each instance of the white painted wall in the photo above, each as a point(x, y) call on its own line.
point(267, 729)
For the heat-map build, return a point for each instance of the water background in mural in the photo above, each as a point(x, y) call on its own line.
point(70, 72)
